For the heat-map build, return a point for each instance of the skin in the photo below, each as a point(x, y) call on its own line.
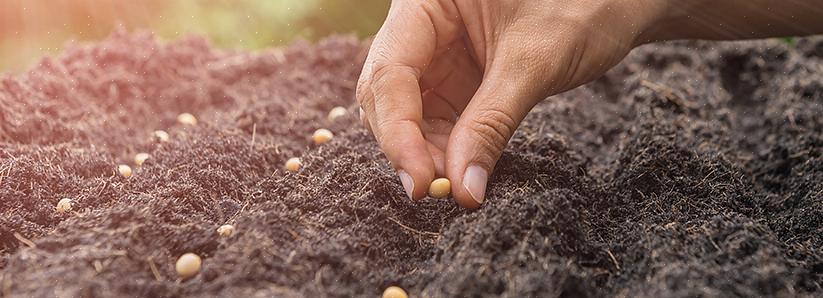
point(447, 82)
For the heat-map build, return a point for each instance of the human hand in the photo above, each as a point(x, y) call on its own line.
point(447, 82)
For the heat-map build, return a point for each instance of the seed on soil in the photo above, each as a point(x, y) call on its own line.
point(395, 292)
point(161, 135)
point(124, 170)
point(63, 206)
point(187, 119)
point(188, 265)
point(140, 158)
point(322, 135)
point(294, 164)
point(225, 230)
point(440, 188)
point(337, 112)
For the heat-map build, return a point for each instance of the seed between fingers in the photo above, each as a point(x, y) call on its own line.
point(440, 188)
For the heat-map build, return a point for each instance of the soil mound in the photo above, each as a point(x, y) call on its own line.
point(691, 169)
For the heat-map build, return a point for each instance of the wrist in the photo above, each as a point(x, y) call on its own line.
point(659, 18)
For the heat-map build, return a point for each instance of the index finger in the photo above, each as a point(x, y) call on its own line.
point(389, 93)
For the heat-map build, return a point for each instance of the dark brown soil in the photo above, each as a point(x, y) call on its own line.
point(692, 169)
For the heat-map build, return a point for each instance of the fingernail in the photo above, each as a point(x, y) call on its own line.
point(407, 181)
point(474, 180)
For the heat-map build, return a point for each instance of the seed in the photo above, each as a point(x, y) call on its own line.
point(225, 230)
point(321, 136)
point(140, 158)
point(293, 164)
point(440, 188)
point(124, 170)
point(188, 265)
point(63, 206)
point(395, 292)
point(187, 119)
point(161, 136)
point(337, 112)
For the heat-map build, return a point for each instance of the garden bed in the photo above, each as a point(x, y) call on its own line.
point(690, 169)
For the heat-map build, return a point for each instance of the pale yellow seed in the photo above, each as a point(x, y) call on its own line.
point(440, 188)
point(63, 206)
point(322, 135)
point(188, 265)
point(161, 136)
point(140, 158)
point(124, 170)
point(225, 230)
point(395, 292)
point(336, 113)
point(187, 119)
point(293, 164)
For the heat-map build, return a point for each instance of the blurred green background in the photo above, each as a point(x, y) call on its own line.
point(30, 29)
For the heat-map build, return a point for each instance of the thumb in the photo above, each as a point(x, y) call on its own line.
point(482, 132)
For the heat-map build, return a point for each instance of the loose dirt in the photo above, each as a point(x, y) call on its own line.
point(691, 169)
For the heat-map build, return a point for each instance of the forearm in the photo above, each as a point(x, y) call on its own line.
point(735, 19)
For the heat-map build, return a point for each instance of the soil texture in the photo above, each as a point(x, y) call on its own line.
point(690, 169)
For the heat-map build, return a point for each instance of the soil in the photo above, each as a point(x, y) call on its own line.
point(691, 169)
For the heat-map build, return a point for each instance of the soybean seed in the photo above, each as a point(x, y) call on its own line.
point(161, 136)
point(63, 206)
point(188, 265)
point(337, 112)
point(124, 170)
point(225, 230)
point(322, 135)
point(187, 119)
point(440, 188)
point(395, 292)
point(140, 158)
point(293, 164)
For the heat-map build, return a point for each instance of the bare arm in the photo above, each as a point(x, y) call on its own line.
point(737, 19)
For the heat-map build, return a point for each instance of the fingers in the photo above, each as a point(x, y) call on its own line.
point(390, 97)
point(398, 113)
point(482, 132)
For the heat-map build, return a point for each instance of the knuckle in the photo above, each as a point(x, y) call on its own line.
point(494, 128)
point(360, 91)
point(386, 127)
point(379, 69)
point(363, 91)
point(382, 72)
point(392, 124)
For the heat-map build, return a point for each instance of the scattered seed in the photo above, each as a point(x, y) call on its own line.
point(440, 188)
point(161, 135)
point(225, 230)
point(322, 135)
point(294, 164)
point(395, 292)
point(124, 170)
point(188, 265)
point(63, 206)
point(140, 158)
point(337, 112)
point(187, 119)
